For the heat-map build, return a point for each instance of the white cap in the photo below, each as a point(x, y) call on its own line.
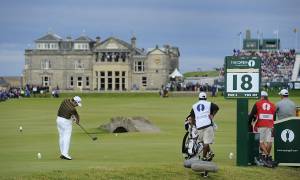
point(264, 93)
point(284, 92)
point(202, 95)
point(77, 99)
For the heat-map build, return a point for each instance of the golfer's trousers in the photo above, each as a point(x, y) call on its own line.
point(64, 127)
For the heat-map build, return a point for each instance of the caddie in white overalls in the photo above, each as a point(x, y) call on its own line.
point(203, 112)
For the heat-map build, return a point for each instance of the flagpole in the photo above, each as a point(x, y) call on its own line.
point(258, 40)
point(296, 38)
point(277, 37)
point(277, 32)
point(240, 35)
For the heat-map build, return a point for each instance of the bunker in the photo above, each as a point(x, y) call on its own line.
point(129, 124)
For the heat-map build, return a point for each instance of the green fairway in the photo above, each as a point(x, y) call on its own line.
point(126, 156)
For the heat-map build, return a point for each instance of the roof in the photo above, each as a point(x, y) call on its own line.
point(127, 45)
point(173, 50)
point(50, 37)
point(83, 39)
point(163, 50)
point(3, 82)
point(12, 80)
point(175, 73)
point(119, 41)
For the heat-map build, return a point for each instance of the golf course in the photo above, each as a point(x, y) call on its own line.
point(123, 155)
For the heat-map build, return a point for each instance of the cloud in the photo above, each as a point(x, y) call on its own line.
point(11, 56)
point(203, 30)
point(194, 63)
point(11, 60)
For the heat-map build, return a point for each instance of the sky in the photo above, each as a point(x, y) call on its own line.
point(205, 31)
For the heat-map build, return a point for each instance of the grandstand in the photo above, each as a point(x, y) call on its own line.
point(296, 70)
point(279, 66)
point(276, 66)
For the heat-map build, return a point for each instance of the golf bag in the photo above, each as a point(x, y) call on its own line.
point(190, 146)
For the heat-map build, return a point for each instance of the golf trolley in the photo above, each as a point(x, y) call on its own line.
point(190, 147)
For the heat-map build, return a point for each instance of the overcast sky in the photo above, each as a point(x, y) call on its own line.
point(204, 30)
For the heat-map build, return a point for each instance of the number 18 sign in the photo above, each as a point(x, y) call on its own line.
point(242, 76)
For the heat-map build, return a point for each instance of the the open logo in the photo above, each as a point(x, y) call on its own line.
point(287, 135)
point(251, 63)
point(266, 106)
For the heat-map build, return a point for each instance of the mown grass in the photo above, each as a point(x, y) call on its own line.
point(200, 74)
point(126, 156)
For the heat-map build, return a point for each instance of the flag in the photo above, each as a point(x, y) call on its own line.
point(295, 30)
point(240, 33)
point(275, 31)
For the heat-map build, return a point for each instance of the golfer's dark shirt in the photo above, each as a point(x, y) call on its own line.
point(67, 109)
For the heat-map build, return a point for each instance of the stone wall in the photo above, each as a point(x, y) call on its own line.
point(129, 124)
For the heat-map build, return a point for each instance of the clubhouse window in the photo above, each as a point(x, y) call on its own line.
point(144, 81)
point(87, 81)
point(139, 66)
point(71, 81)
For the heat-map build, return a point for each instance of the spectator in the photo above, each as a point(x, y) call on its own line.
point(213, 91)
point(55, 92)
point(34, 89)
point(276, 66)
point(285, 107)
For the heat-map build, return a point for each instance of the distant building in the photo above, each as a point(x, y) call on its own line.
point(87, 64)
point(7, 82)
point(258, 44)
point(3, 84)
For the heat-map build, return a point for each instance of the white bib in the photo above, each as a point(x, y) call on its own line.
point(202, 112)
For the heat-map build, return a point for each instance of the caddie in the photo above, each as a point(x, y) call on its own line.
point(263, 113)
point(203, 113)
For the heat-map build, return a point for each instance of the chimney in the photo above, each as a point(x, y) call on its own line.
point(167, 48)
point(133, 42)
point(69, 38)
point(98, 39)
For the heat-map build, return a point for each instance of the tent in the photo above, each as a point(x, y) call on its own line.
point(176, 74)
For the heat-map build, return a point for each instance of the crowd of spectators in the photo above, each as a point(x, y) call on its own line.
point(35, 90)
point(27, 91)
point(10, 93)
point(182, 86)
point(200, 87)
point(277, 66)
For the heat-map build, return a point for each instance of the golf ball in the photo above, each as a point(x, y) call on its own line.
point(39, 155)
point(20, 128)
point(230, 155)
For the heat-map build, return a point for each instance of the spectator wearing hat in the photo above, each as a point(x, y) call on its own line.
point(202, 114)
point(65, 115)
point(261, 120)
point(285, 107)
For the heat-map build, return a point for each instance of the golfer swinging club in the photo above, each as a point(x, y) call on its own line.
point(64, 124)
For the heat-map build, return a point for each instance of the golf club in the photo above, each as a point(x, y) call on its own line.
point(93, 138)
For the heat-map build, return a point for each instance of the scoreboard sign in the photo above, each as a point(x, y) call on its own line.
point(242, 77)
